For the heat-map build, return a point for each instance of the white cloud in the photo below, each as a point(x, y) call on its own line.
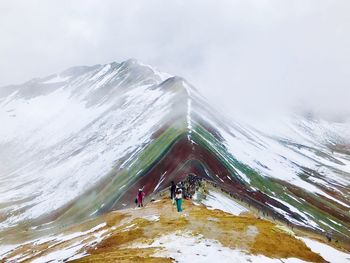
point(245, 56)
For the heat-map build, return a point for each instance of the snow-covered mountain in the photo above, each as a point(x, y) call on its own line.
point(80, 143)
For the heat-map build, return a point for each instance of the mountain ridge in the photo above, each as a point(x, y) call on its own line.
point(122, 124)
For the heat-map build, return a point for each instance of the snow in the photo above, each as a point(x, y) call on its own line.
point(263, 150)
point(307, 217)
point(127, 228)
point(215, 200)
point(162, 178)
point(58, 146)
point(65, 252)
point(63, 238)
point(5, 249)
point(162, 75)
point(279, 149)
point(243, 176)
point(327, 252)
point(185, 247)
point(97, 227)
point(56, 79)
point(151, 217)
point(335, 200)
point(101, 72)
point(189, 111)
point(59, 255)
point(59, 143)
point(291, 219)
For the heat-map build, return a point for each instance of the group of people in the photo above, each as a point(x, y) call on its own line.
point(176, 195)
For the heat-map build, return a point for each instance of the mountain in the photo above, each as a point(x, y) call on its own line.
point(79, 144)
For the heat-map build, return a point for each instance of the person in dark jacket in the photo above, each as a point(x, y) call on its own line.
point(172, 191)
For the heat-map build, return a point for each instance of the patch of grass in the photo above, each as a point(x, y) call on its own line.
point(275, 243)
point(268, 241)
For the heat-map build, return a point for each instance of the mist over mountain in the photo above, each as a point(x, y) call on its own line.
point(77, 145)
point(178, 131)
point(247, 57)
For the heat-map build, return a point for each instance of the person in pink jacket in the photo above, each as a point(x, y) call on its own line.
point(140, 196)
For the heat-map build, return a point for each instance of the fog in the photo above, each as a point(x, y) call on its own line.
point(247, 57)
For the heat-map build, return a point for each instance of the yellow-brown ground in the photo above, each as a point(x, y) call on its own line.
point(231, 231)
point(130, 226)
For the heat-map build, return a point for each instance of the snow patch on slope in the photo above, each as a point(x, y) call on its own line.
point(219, 201)
point(327, 252)
point(185, 247)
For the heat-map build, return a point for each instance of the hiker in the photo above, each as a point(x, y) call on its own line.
point(172, 191)
point(180, 185)
point(140, 196)
point(178, 198)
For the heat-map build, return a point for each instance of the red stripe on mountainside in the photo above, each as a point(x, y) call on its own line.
point(184, 158)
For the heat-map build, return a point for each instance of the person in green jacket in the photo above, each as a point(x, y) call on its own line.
point(178, 199)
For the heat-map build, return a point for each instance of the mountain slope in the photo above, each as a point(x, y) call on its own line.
point(79, 144)
point(157, 233)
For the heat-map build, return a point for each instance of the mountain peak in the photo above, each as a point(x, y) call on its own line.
point(132, 61)
point(90, 138)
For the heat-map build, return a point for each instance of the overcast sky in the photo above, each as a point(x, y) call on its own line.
point(242, 55)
